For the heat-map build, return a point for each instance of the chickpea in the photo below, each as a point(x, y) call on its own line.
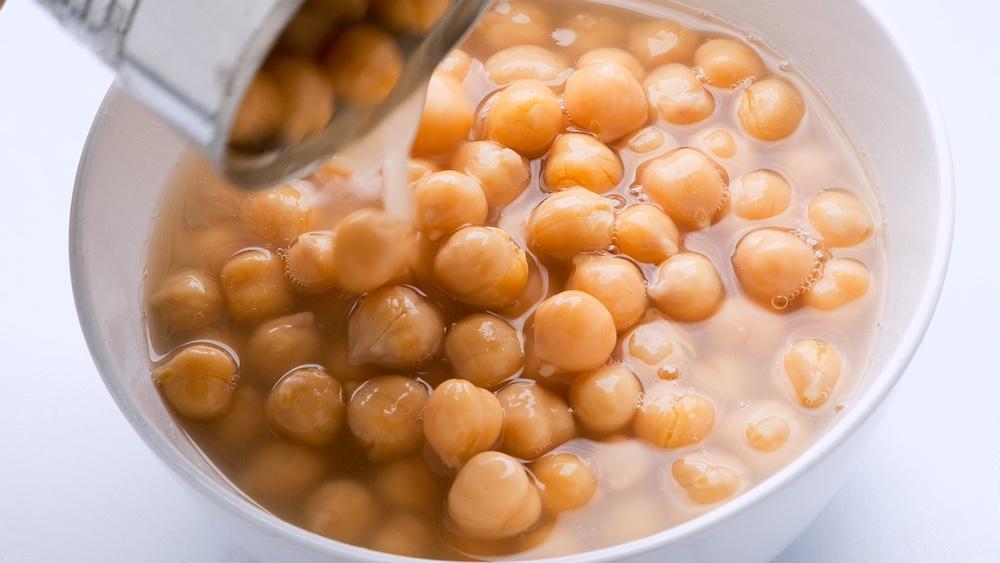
point(404, 534)
point(525, 116)
point(704, 482)
point(364, 65)
point(308, 29)
point(671, 420)
point(534, 420)
point(384, 415)
point(309, 263)
point(567, 482)
point(279, 471)
point(243, 425)
point(615, 282)
point(653, 342)
point(445, 201)
point(768, 434)
point(762, 195)
point(677, 95)
point(525, 62)
point(770, 109)
point(276, 215)
point(844, 280)
point(306, 405)
point(456, 63)
point(727, 63)
point(371, 248)
point(689, 186)
point(419, 168)
point(574, 332)
point(493, 497)
point(484, 350)
point(253, 284)
point(415, 17)
point(605, 99)
point(840, 217)
point(343, 510)
point(502, 173)
point(646, 140)
point(482, 266)
point(406, 484)
point(579, 160)
point(461, 420)
point(647, 234)
point(261, 113)
point(187, 300)
point(687, 288)
point(658, 42)
point(513, 23)
point(605, 399)
point(277, 346)
point(447, 117)
point(602, 55)
point(308, 97)
point(813, 368)
point(570, 222)
point(198, 381)
point(720, 142)
point(587, 31)
point(394, 328)
point(774, 266)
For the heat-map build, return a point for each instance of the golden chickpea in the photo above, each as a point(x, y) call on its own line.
point(253, 284)
point(574, 332)
point(727, 63)
point(461, 420)
point(280, 471)
point(534, 420)
point(615, 282)
point(605, 399)
point(187, 300)
point(704, 482)
point(653, 342)
point(658, 42)
point(309, 263)
point(447, 117)
point(677, 95)
point(762, 195)
point(308, 96)
point(484, 349)
point(672, 420)
point(198, 381)
point(586, 31)
point(687, 288)
point(394, 328)
point(774, 266)
point(307, 406)
point(605, 99)
point(308, 29)
point(502, 173)
point(567, 483)
point(243, 424)
point(445, 201)
point(276, 215)
point(844, 280)
point(570, 222)
point(525, 62)
point(415, 17)
point(371, 248)
point(514, 23)
point(493, 497)
point(647, 139)
point(768, 434)
point(343, 510)
point(404, 534)
point(647, 234)
point(840, 217)
point(384, 415)
point(580, 160)
point(612, 55)
point(720, 142)
point(406, 484)
point(364, 65)
point(689, 186)
point(261, 113)
point(456, 63)
point(277, 346)
point(482, 266)
point(419, 168)
point(770, 109)
point(525, 116)
point(813, 368)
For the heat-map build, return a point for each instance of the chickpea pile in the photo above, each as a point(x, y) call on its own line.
point(595, 244)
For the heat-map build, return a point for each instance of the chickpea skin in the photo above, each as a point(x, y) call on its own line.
point(364, 65)
point(394, 328)
point(689, 186)
point(415, 17)
point(309, 263)
point(493, 497)
point(612, 55)
point(840, 218)
point(384, 415)
point(278, 345)
point(615, 282)
point(687, 288)
point(406, 484)
point(534, 420)
point(813, 368)
point(580, 160)
point(762, 195)
point(658, 42)
point(261, 113)
point(671, 420)
point(198, 381)
point(525, 116)
point(343, 510)
point(844, 280)
point(482, 266)
point(677, 95)
point(720, 142)
point(404, 534)
point(461, 420)
point(768, 434)
point(187, 300)
point(727, 63)
point(514, 23)
point(502, 173)
point(484, 350)
point(770, 109)
point(253, 285)
point(605, 399)
point(447, 117)
point(605, 99)
point(276, 215)
point(280, 471)
point(574, 332)
point(525, 62)
point(567, 482)
point(647, 234)
point(371, 248)
point(456, 63)
point(308, 97)
point(570, 222)
point(307, 406)
point(704, 482)
point(773, 266)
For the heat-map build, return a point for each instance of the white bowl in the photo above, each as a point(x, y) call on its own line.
point(841, 47)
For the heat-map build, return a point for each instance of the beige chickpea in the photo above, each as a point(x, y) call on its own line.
point(394, 328)
point(525, 116)
point(461, 420)
point(447, 117)
point(704, 482)
point(484, 350)
point(419, 168)
point(687, 288)
point(309, 28)
point(404, 534)
point(653, 342)
point(762, 195)
point(658, 42)
point(567, 483)
point(280, 471)
point(445, 201)
point(208, 248)
point(253, 285)
point(308, 96)
point(677, 96)
point(309, 263)
point(771, 109)
point(343, 510)
point(276, 215)
point(585, 31)
point(844, 280)
point(456, 63)
point(364, 64)
point(493, 497)
point(570, 222)
point(615, 282)
point(502, 173)
point(482, 266)
point(720, 142)
point(580, 160)
point(261, 113)
point(774, 266)
point(840, 217)
point(406, 484)
point(647, 234)
point(670, 419)
point(187, 300)
point(573, 331)
point(243, 425)
point(612, 55)
point(605, 399)
point(727, 63)
point(647, 139)
point(513, 23)
point(813, 367)
point(605, 99)
point(692, 188)
point(384, 415)
point(371, 248)
point(198, 381)
point(525, 62)
point(306, 405)
point(277, 346)
point(769, 433)
point(534, 420)
point(415, 17)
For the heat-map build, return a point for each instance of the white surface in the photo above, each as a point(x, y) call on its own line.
point(77, 484)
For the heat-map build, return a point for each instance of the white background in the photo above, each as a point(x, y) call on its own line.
point(76, 483)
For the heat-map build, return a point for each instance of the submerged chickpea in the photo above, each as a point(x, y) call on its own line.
point(525, 62)
point(371, 248)
point(768, 434)
point(415, 17)
point(187, 300)
point(502, 173)
point(343, 510)
point(586, 31)
point(419, 168)
point(482, 266)
point(612, 55)
point(813, 368)
point(279, 471)
point(445, 201)
point(525, 116)
point(198, 381)
point(534, 420)
point(844, 280)
point(727, 63)
point(567, 483)
point(605, 399)
point(762, 195)
point(461, 420)
point(493, 497)
point(253, 285)
point(456, 63)
point(677, 96)
point(406, 484)
point(580, 160)
point(772, 264)
point(615, 282)
point(281, 344)
point(720, 142)
point(243, 425)
point(404, 534)
point(364, 65)
point(514, 23)
point(484, 350)
point(307, 406)
point(309, 262)
point(308, 96)
point(570, 222)
point(687, 288)
point(653, 342)
point(384, 415)
point(689, 186)
point(605, 99)
point(658, 42)
point(671, 420)
point(261, 114)
point(394, 328)
point(647, 234)
point(704, 482)
point(771, 109)
point(447, 117)
point(840, 217)
point(276, 215)
point(573, 331)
